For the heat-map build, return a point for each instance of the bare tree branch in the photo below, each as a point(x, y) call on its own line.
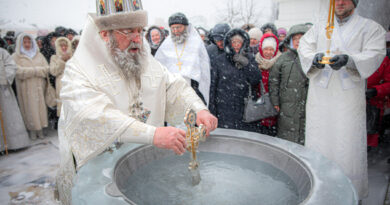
point(237, 13)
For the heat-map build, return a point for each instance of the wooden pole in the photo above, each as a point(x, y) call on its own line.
point(2, 129)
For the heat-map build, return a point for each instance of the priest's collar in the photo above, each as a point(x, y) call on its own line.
point(344, 20)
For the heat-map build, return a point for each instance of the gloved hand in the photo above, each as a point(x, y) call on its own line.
point(240, 60)
point(316, 59)
point(338, 61)
point(371, 92)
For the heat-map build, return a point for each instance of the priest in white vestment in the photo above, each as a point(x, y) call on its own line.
point(113, 91)
point(336, 103)
point(184, 53)
point(15, 134)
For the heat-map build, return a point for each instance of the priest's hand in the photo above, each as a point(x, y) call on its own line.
point(170, 138)
point(338, 61)
point(208, 120)
point(317, 58)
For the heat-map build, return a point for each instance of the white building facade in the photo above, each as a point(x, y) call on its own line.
point(291, 12)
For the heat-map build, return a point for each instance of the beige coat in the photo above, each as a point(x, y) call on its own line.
point(57, 66)
point(30, 85)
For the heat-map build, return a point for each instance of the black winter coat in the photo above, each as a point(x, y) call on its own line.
point(213, 52)
point(230, 86)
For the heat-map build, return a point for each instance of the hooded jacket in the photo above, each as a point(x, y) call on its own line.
point(148, 36)
point(230, 84)
point(288, 89)
point(31, 84)
point(57, 66)
point(216, 34)
point(265, 66)
point(297, 29)
point(270, 26)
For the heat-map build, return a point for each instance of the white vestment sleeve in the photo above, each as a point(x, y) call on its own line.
point(91, 121)
point(9, 66)
point(307, 50)
point(369, 59)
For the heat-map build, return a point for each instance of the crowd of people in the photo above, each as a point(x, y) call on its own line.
point(30, 65)
point(223, 66)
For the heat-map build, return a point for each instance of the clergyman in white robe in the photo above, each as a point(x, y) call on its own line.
point(196, 61)
point(336, 103)
point(97, 99)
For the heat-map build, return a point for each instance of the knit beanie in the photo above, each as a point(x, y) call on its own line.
point(282, 31)
point(178, 18)
point(255, 33)
point(269, 42)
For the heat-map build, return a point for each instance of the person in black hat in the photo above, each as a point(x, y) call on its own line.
point(10, 38)
point(60, 30)
point(48, 44)
point(178, 23)
point(217, 34)
point(70, 33)
point(186, 54)
point(3, 44)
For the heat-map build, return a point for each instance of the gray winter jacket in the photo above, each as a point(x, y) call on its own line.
point(288, 87)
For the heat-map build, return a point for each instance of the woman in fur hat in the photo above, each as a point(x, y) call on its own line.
point(57, 65)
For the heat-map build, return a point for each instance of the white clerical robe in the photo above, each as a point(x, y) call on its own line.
point(15, 131)
point(336, 104)
point(96, 102)
point(193, 56)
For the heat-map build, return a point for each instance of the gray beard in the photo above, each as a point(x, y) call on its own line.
point(180, 38)
point(131, 64)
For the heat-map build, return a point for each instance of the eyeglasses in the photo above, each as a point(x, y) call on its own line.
point(177, 28)
point(130, 34)
point(236, 42)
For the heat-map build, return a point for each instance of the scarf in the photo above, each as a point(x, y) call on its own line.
point(265, 64)
point(29, 53)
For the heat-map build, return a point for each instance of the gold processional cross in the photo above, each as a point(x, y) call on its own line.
point(193, 136)
point(329, 32)
point(179, 63)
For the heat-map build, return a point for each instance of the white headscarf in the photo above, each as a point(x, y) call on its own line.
point(34, 47)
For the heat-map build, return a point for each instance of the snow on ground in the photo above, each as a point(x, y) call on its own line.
point(27, 176)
